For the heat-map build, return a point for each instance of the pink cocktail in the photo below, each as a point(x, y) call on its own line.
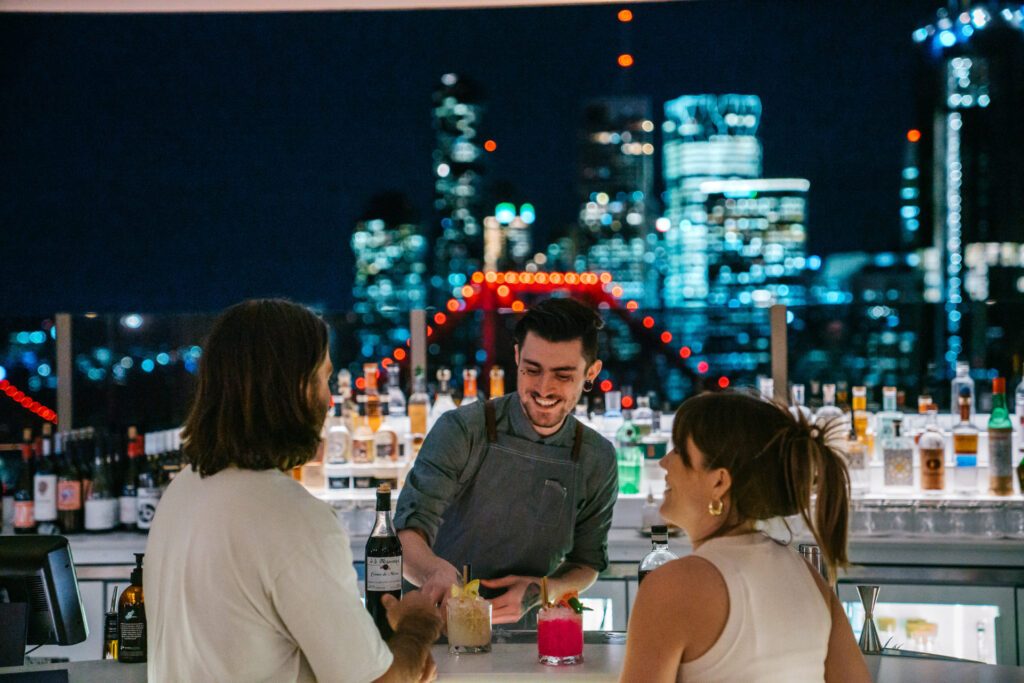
point(559, 636)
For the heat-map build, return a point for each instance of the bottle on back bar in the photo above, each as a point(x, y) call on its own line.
point(147, 486)
point(629, 455)
point(101, 506)
point(469, 390)
point(965, 447)
point(24, 502)
point(419, 409)
point(898, 457)
point(659, 555)
point(797, 393)
point(960, 382)
point(129, 496)
point(396, 397)
point(383, 562)
point(932, 451)
point(443, 401)
point(498, 381)
point(69, 489)
point(371, 396)
point(45, 485)
point(828, 412)
point(1000, 443)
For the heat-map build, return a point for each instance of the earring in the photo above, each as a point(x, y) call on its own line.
point(588, 386)
point(715, 508)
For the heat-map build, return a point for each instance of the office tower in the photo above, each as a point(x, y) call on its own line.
point(970, 96)
point(615, 185)
point(706, 137)
point(458, 170)
point(390, 257)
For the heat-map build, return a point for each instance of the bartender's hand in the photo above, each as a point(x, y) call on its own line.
point(523, 594)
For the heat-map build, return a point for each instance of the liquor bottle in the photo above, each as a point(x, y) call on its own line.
point(85, 451)
point(469, 390)
point(69, 489)
point(147, 485)
point(45, 485)
point(611, 420)
point(396, 397)
point(24, 503)
point(383, 562)
point(828, 414)
point(766, 387)
point(856, 461)
point(655, 445)
point(110, 629)
point(643, 415)
point(362, 438)
point(443, 401)
point(101, 505)
point(898, 457)
point(128, 501)
point(582, 412)
point(419, 409)
point(629, 455)
point(371, 396)
point(339, 438)
point(965, 447)
point(1000, 443)
point(349, 410)
point(798, 404)
point(932, 451)
point(961, 381)
point(859, 405)
point(386, 440)
point(497, 376)
point(888, 416)
point(659, 555)
point(131, 619)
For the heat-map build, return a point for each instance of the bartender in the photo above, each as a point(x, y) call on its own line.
point(516, 486)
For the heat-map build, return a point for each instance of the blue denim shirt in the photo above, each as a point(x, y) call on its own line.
point(454, 449)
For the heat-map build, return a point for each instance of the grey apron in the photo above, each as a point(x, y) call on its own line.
point(518, 513)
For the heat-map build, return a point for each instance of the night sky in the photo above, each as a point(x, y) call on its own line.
point(183, 162)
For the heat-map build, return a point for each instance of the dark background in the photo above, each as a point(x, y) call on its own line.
point(183, 162)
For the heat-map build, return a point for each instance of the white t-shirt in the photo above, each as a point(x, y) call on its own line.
point(249, 578)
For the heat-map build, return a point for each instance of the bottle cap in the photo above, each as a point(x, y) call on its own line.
point(137, 572)
point(999, 385)
point(659, 529)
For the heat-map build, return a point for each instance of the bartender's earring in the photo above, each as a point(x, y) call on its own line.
point(715, 508)
point(588, 385)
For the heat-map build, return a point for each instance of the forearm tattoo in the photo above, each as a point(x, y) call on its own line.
point(531, 597)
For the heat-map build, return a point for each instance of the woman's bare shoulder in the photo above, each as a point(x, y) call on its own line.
point(684, 580)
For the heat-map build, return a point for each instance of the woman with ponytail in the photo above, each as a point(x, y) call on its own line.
point(744, 607)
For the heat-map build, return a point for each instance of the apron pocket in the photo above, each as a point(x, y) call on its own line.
point(551, 510)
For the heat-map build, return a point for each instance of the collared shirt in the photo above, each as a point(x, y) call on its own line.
point(454, 449)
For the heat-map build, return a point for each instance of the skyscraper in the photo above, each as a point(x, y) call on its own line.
point(615, 185)
point(390, 257)
point(706, 137)
point(970, 99)
point(458, 170)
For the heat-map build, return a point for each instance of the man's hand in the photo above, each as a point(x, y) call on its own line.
point(523, 594)
point(413, 602)
point(439, 582)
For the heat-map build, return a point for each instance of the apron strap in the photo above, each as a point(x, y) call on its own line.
point(491, 420)
point(577, 442)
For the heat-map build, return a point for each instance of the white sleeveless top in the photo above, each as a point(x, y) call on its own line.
point(778, 626)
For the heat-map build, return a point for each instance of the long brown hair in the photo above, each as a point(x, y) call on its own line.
point(776, 462)
point(252, 406)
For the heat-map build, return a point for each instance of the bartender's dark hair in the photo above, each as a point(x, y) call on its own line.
point(252, 407)
point(558, 320)
point(776, 462)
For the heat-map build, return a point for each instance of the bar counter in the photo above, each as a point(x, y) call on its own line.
point(517, 662)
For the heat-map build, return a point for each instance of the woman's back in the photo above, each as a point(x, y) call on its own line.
point(778, 623)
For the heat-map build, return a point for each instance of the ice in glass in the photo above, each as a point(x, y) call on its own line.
point(469, 620)
point(560, 634)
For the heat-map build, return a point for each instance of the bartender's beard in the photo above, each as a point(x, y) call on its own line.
point(553, 418)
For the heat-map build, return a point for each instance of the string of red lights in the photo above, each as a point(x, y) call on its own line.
point(26, 402)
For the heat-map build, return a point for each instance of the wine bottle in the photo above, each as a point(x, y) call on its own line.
point(129, 505)
point(69, 488)
point(45, 484)
point(101, 505)
point(24, 499)
point(383, 562)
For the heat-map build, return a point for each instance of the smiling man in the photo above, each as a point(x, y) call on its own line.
point(516, 486)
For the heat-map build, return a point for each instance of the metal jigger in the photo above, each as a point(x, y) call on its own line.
point(869, 643)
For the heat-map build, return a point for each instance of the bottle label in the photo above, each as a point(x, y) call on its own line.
point(100, 514)
point(362, 450)
point(339, 482)
point(1000, 453)
point(933, 469)
point(966, 461)
point(46, 497)
point(69, 495)
point(384, 573)
point(655, 450)
point(855, 457)
point(899, 467)
point(387, 448)
point(129, 512)
point(146, 503)
point(24, 514)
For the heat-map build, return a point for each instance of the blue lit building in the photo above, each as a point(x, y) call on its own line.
point(390, 257)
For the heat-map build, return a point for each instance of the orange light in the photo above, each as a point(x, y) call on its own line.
point(386, 362)
point(512, 278)
point(625, 60)
point(666, 337)
point(526, 278)
point(399, 354)
point(685, 352)
point(571, 278)
point(499, 277)
point(702, 367)
point(627, 402)
point(360, 383)
point(440, 318)
point(723, 382)
point(632, 305)
point(504, 291)
point(625, 16)
point(648, 322)
point(468, 292)
point(518, 306)
point(478, 278)
point(430, 330)
point(913, 135)
point(542, 278)
point(490, 145)
point(491, 276)
point(556, 278)
point(588, 279)
point(606, 385)
point(453, 305)
point(617, 291)
point(606, 278)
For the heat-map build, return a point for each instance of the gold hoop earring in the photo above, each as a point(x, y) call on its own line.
point(715, 508)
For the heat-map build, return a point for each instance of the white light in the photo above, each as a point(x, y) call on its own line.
point(662, 224)
point(443, 170)
point(648, 126)
point(449, 79)
point(132, 321)
point(602, 198)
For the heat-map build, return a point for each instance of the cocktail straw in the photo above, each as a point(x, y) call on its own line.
point(543, 591)
point(465, 574)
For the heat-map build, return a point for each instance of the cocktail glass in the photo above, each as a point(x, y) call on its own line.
point(559, 636)
point(469, 625)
